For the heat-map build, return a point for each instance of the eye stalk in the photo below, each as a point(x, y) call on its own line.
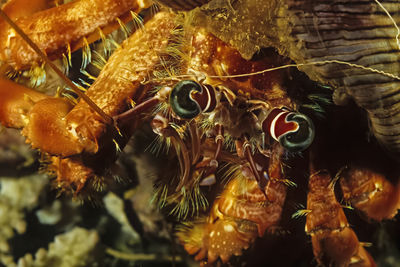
point(189, 98)
point(293, 130)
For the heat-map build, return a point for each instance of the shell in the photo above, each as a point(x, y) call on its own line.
point(358, 32)
point(183, 4)
point(355, 31)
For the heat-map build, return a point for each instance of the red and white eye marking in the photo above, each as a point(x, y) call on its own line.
point(293, 130)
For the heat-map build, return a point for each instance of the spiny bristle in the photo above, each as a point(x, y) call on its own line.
point(123, 27)
point(68, 94)
point(159, 145)
point(189, 201)
point(154, 9)
point(300, 213)
point(66, 59)
point(321, 98)
point(192, 232)
point(80, 87)
point(65, 64)
point(347, 206)
point(88, 75)
point(84, 83)
point(86, 54)
point(232, 171)
point(106, 43)
point(175, 54)
point(288, 182)
point(179, 129)
point(99, 61)
point(137, 21)
point(181, 208)
point(229, 142)
point(318, 104)
point(205, 123)
point(160, 196)
point(117, 146)
point(37, 75)
point(98, 183)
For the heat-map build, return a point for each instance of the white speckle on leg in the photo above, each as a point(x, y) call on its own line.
point(228, 228)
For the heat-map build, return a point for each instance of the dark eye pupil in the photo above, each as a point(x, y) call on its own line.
point(181, 102)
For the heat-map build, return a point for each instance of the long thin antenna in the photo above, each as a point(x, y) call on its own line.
point(93, 105)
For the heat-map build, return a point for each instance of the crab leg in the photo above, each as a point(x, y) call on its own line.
point(57, 28)
point(15, 101)
point(370, 192)
point(119, 81)
point(334, 242)
point(58, 129)
point(22, 8)
point(239, 215)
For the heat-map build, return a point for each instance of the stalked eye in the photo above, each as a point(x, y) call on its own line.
point(294, 131)
point(181, 100)
point(300, 139)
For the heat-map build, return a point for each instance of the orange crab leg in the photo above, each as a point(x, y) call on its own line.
point(22, 8)
point(334, 242)
point(15, 103)
point(370, 192)
point(119, 81)
point(239, 215)
point(54, 29)
point(55, 127)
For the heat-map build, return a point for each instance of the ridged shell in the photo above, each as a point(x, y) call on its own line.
point(358, 32)
point(183, 4)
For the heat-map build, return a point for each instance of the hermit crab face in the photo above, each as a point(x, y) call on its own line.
point(189, 98)
point(293, 130)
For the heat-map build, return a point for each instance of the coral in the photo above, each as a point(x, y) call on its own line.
point(75, 248)
point(17, 195)
point(115, 207)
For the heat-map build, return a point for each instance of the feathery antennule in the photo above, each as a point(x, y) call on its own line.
point(340, 62)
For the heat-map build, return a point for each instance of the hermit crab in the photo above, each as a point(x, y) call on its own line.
point(236, 126)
